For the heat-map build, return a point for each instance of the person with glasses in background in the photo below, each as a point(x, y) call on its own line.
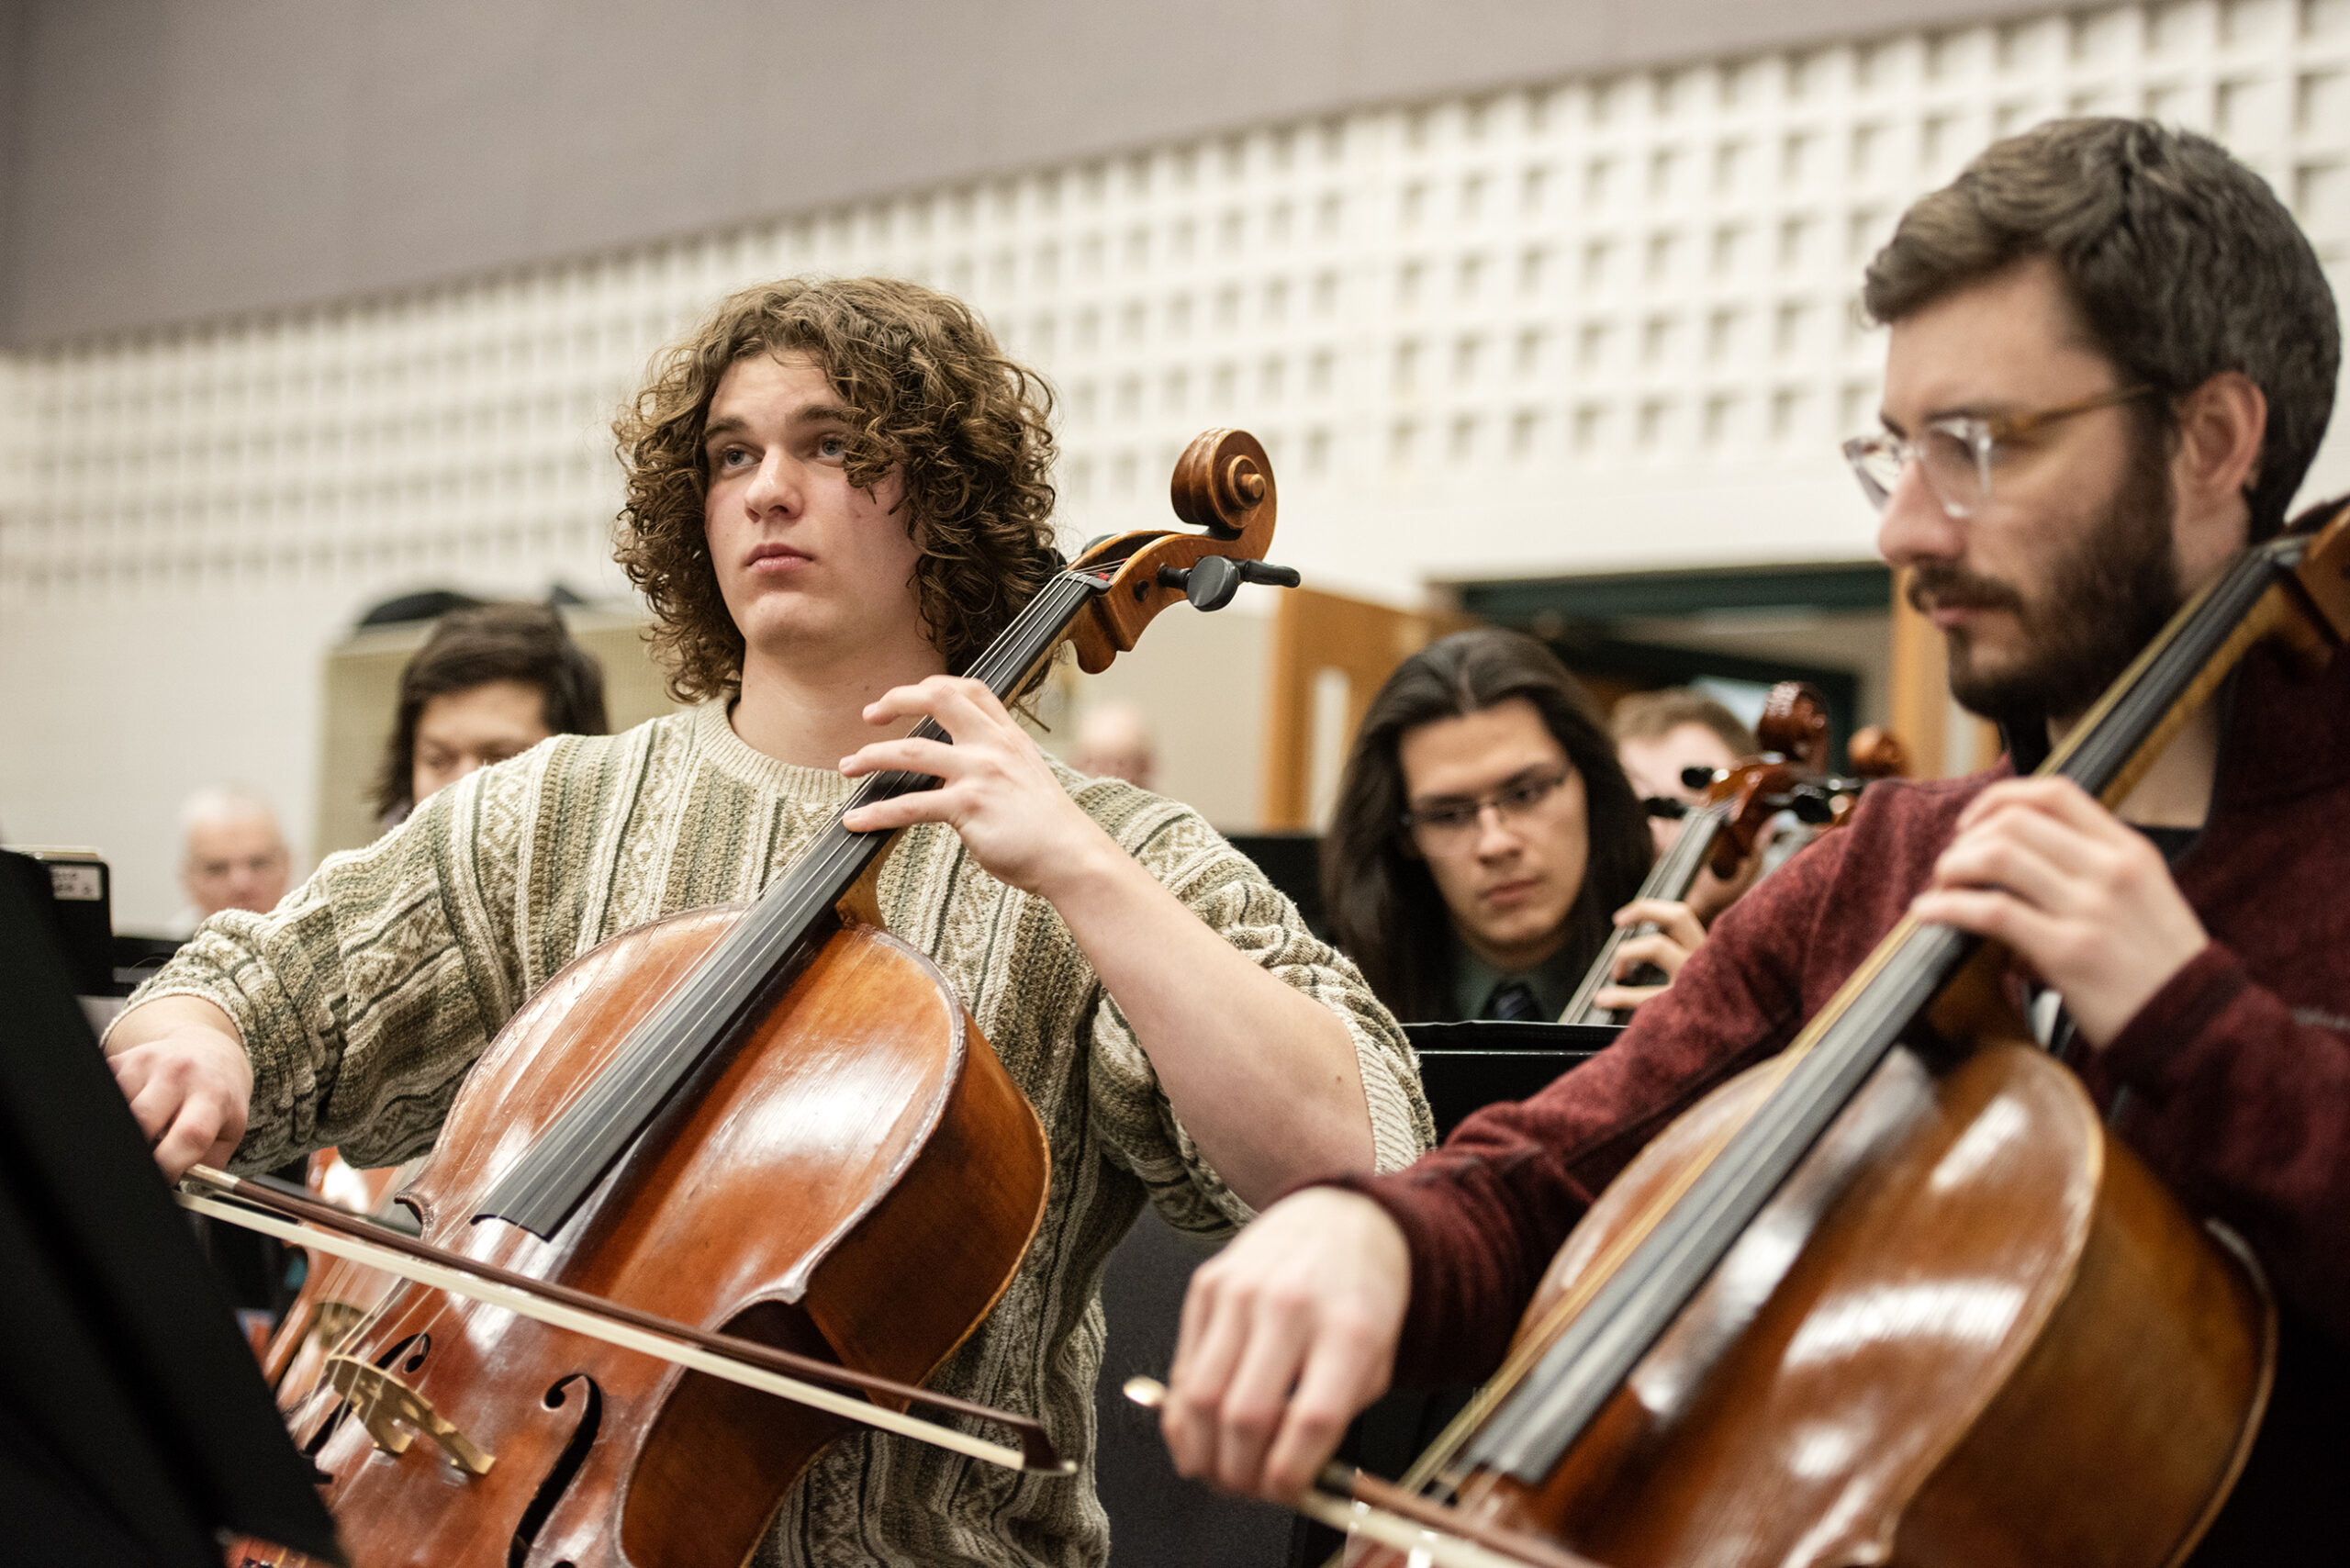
point(2111, 356)
point(1483, 836)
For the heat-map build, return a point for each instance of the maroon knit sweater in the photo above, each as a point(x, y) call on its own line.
point(2233, 1083)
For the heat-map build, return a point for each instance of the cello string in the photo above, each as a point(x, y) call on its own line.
point(1676, 870)
point(656, 1054)
point(1773, 1127)
point(721, 984)
point(1596, 1351)
point(1535, 1343)
point(592, 1133)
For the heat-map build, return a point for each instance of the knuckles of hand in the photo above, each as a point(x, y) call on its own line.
point(1253, 1418)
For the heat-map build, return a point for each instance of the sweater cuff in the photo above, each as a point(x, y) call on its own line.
point(1418, 1362)
point(2146, 1054)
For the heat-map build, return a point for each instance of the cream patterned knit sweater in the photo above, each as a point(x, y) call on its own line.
point(366, 996)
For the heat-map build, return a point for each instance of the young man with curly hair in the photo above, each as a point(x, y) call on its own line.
point(837, 495)
point(2111, 355)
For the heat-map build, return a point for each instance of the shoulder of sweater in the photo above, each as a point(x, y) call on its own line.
point(1150, 827)
point(579, 759)
point(665, 733)
point(569, 753)
point(561, 766)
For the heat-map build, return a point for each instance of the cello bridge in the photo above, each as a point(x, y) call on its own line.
point(394, 1413)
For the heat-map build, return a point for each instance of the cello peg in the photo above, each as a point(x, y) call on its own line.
point(1209, 583)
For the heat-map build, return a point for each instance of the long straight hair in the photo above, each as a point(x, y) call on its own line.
point(1383, 904)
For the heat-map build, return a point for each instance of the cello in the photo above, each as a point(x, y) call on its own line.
point(1718, 834)
point(337, 1294)
point(766, 1143)
point(1893, 1295)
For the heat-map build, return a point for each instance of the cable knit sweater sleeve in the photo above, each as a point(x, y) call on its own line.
point(364, 996)
point(1139, 1127)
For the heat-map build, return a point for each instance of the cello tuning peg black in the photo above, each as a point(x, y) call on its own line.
point(1812, 804)
point(1209, 583)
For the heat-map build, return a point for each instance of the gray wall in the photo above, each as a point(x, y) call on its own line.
point(180, 158)
point(16, 71)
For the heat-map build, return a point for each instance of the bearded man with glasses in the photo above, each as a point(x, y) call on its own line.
point(2111, 358)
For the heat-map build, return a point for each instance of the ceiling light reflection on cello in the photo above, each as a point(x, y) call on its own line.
point(1980, 1311)
point(1822, 1448)
point(1727, 1307)
point(1999, 1123)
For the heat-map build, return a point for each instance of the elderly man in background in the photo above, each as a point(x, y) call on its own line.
point(1114, 742)
point(233, 855)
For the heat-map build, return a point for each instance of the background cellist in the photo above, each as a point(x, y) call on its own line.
point(2111, 358)
point(837, 495)
point(1482, 834)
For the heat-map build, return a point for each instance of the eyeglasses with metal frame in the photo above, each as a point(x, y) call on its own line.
point(1448, 822)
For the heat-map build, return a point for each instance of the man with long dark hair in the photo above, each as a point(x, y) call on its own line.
point(2110, 360)
point(1484, 834)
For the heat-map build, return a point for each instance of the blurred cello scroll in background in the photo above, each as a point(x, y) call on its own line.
point(1722, 836)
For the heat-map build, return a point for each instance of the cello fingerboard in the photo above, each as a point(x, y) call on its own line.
point(1672, 877)
point(764, 951)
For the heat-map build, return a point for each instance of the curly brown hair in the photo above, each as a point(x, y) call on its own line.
point(939, 402)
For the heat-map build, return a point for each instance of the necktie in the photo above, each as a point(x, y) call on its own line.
point(1513, 1002)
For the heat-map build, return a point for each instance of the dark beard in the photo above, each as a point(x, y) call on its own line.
point(2104, 602)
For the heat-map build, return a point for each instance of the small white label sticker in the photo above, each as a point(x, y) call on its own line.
point(80, 883)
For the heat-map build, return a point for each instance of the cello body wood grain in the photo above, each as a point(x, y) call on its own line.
point(758, 1215)
point(1967, 1302)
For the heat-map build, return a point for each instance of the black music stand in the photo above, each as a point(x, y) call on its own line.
point(1466, 1067)
point(135, 1427)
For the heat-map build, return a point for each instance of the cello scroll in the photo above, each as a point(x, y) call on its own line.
point(1222, 483)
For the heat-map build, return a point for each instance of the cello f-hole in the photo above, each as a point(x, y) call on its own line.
point(559, 1478)
point(409, 1353)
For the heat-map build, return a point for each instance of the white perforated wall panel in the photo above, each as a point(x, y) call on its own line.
point(1600, 324)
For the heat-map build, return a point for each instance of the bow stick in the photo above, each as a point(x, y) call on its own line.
point(745, 1362)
